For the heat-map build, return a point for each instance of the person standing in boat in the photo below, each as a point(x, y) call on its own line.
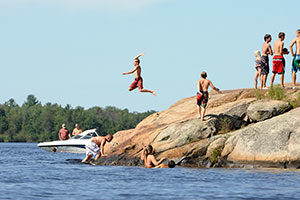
point(76, 130)
point(63, 133)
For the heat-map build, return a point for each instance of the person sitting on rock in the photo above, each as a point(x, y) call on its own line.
point(170, 164)
point(148, 157)
point(202, 93)
point(95, 147)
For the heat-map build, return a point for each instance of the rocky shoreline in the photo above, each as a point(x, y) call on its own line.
point(240, 130)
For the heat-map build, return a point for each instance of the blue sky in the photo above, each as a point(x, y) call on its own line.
point(74, 51)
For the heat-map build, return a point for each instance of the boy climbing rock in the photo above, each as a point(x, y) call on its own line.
point(138, 81)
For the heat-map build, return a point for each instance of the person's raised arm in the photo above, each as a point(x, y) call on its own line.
point(139, 55)
point(130, 71)
point(291, 47)
point(213, 87)
point(143, 154)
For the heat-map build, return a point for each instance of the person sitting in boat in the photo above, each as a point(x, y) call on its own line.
point(148, 157)
point(76, 130)
point(95, 147)
point(63, 133)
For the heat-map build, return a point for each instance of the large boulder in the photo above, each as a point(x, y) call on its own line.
point(239, 110)
point(276, 140)
point(265, 109)
point(181, 133)
point(185, 132)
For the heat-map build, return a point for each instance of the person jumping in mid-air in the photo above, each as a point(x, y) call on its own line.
point(138, 82)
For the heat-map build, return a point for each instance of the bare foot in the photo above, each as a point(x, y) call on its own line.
point(153, 93)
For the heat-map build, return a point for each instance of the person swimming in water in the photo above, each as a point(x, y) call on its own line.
point(148, 157)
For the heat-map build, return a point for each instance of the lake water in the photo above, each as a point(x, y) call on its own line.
point(28, 172)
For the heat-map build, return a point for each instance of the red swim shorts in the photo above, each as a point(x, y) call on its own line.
point(138, 82)
point(278, 64)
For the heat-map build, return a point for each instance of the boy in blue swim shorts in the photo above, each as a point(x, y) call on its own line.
point(296, 59)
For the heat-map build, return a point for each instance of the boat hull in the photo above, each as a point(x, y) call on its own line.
point(68, 146)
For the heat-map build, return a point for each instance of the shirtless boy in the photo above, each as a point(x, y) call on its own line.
point(266, 50)
point(278, 59)
point(296, 60)
point(138, 82)
point(95, 147)
point(202, 94)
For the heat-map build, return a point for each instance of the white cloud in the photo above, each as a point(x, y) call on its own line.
point(114, 5)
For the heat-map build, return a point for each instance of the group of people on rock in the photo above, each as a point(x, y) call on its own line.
point(262, 60)
point(95, 147)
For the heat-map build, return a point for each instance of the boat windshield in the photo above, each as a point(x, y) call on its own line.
point(86, 136)
point(89, 135)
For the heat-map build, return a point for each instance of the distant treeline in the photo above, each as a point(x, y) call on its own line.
point(34, 122)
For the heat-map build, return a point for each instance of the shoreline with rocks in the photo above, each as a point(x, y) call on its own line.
point(244, 128)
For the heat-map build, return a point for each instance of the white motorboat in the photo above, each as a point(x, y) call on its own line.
point(74, 145)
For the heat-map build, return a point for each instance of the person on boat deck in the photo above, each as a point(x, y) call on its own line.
point(63, 133)
point(95, 147)
point(76, 130)
point(148, 157)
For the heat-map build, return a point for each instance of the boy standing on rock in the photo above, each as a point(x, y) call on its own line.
point(296, 60)
point(202, 94)
point(278, 59)
point(266, 50)
point(138, 81)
